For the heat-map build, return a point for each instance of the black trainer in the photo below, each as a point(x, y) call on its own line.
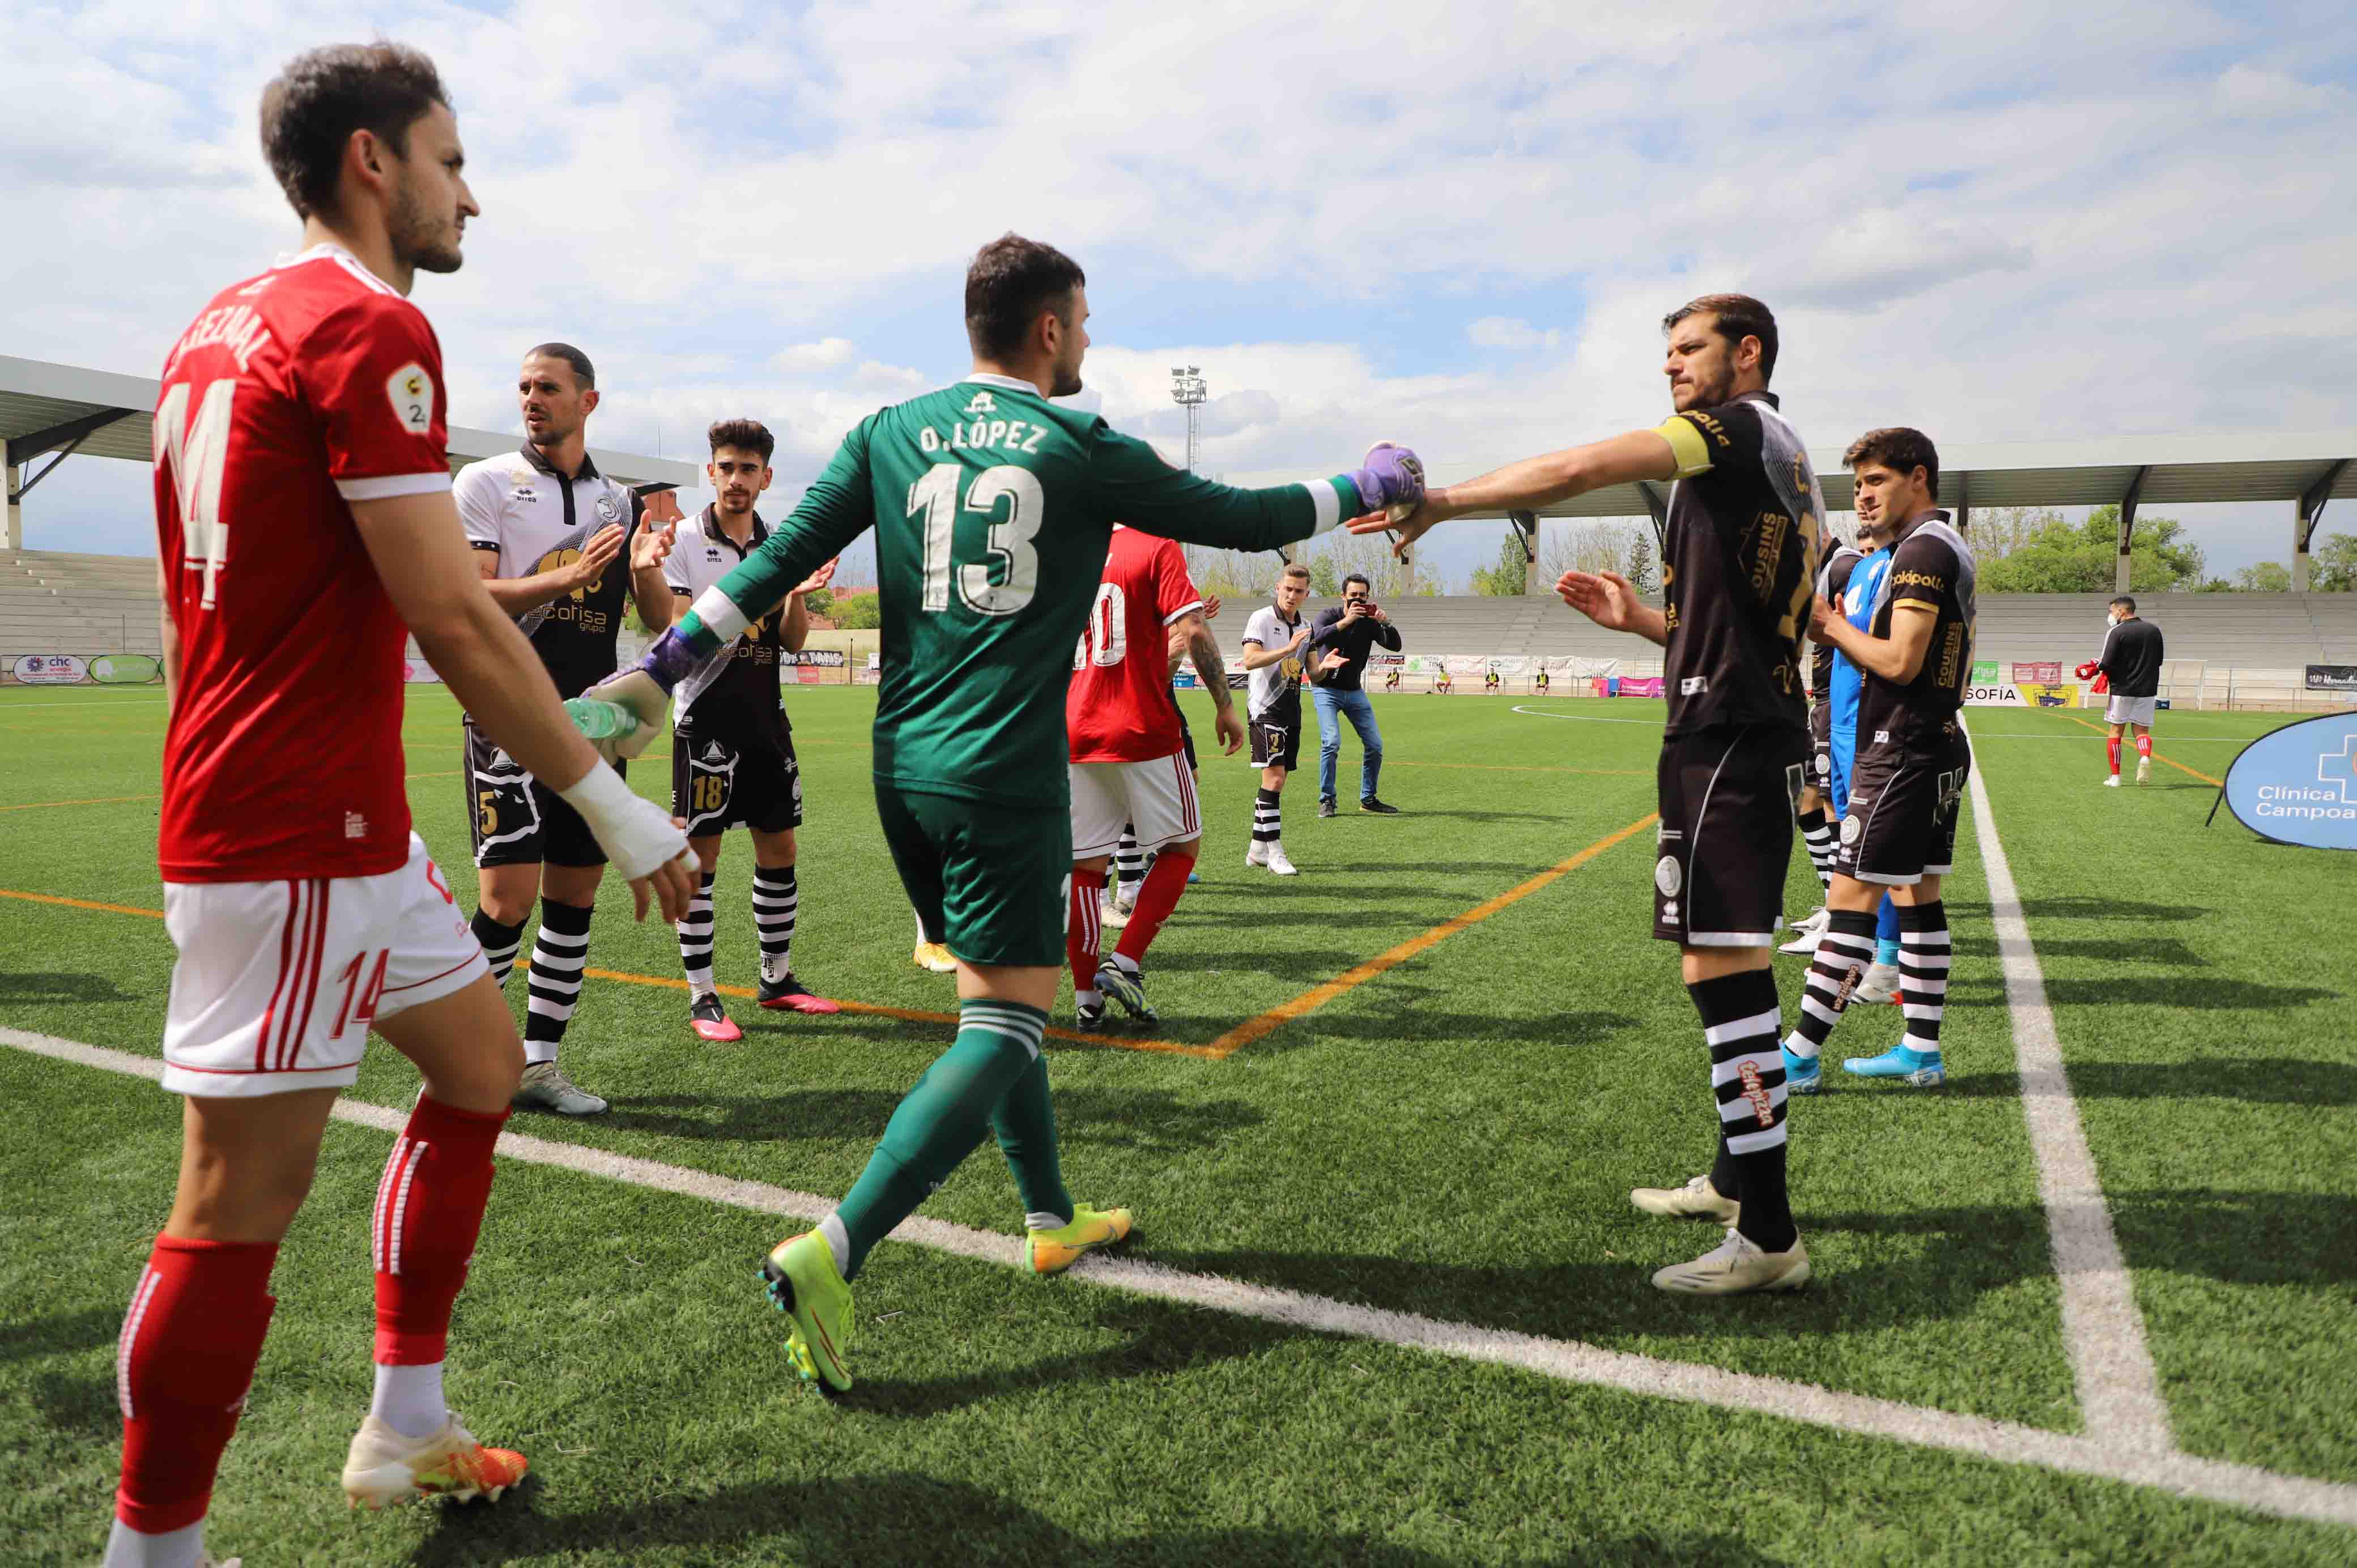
point(1370, 804)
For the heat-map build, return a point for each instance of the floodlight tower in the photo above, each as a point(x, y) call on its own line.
point(1187, 391)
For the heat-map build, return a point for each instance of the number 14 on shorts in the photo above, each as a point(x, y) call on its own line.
point(363, 982)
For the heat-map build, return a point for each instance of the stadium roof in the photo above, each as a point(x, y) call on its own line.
point(66, 409)
point(2259, 465)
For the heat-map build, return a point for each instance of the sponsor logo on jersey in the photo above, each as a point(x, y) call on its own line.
point(355, 825)
point(1716, 430)
point(1694, 685)
point(525, 494)
point(1918, 580)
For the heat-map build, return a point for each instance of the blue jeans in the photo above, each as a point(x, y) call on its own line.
point(1332, 706)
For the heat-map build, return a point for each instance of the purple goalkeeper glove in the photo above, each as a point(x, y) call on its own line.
point(1391, 482)
point(670, 660)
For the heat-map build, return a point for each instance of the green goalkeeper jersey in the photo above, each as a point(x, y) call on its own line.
point(993, 508)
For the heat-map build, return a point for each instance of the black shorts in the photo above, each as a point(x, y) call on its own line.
point(725, 781)
point(1904, 803)
point(1276, 739)
point(1729, 796)
point(517, 820)
point(1820, 744)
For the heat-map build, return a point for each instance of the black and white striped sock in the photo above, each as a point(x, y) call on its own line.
point(695, 938)
point(1817, 832)
point(1843, 955)
point(1739, 1023)
point(1266, 823)
point(1130, 861)
point(559, 953)
point(1923, 956)
point(500, 944)
point(776, 901)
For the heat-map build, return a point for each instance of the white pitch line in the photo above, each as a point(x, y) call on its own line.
point(1562, 1360)
point(2119, 1388)
point(1586, 718)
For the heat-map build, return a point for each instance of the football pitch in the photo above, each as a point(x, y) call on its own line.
point(1387, 1302)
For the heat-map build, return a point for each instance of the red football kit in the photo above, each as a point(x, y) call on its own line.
point(1119, 707)
point(294, 393)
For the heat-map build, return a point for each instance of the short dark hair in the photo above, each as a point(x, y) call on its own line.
point(2125, 600)
point(1011, 280)
point(1898, 448)
point(1739, 317)
point(311, 108)
point(1293, 569)
point(1360, 579)
point(582, 370)
point(745, 434)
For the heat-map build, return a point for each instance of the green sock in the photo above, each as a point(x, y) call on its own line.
point(940, 1121)
point(1026, 1124)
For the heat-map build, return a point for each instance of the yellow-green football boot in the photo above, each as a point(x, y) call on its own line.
point(805, 1285)
point(1053, 1251)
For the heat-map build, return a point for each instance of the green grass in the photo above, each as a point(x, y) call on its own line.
point(1454, 1137)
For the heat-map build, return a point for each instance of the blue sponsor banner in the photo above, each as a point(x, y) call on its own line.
point(2298, 784)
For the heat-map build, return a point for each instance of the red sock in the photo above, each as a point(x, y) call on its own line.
point(181, 1370)
point(1155, 900)
point(2112, 744)
point(1081, 929)
point(2144, 746)
point(428, 1209)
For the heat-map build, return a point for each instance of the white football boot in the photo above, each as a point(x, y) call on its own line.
point(1278, 862)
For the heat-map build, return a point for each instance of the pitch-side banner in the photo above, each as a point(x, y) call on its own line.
point(2020, 694)
point(51, 670)
point(2297, 785)
point(2332, 677)
point(124, 669)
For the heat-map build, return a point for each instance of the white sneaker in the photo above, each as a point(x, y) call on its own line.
point(1735, 1266)
point(1257, 855)
point(1278, 862)
point(1880, 984)
point(385, 1466)
point(1807, 933)
point(2144, 770)
point(2113, 782)
point(1695, 1200)
point(545, 1088)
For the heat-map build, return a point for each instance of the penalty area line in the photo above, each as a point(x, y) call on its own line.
point(1559, 1360)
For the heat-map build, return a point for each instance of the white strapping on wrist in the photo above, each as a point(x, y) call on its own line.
point(720, 615)
point(598, 795)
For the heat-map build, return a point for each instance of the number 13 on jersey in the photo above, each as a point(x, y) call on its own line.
point(934, 498)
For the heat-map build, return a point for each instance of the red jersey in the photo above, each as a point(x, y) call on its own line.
point(1119, 707)
point(294, 393)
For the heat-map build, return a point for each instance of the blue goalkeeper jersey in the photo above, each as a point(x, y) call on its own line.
point(1849, 682)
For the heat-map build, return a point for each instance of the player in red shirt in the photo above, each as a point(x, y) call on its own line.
point(304, 527)
point(1129, 756)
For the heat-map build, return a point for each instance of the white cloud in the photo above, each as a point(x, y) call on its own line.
point(824, 354)
point(1509, 332)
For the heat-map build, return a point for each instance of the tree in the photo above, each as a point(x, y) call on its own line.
point(1640, 570)
point(819, 602)
point(2333, 566)
point(2063, 557)
point(1321, 579)
point(1509, 576)
point(859, 612)
point(2267, 577)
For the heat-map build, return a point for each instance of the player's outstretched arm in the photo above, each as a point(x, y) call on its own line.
point(1131, 484)
point(833, 512)
point(1536, 482)
point(1212, 671)
point(422, 559)
point(1609, 600)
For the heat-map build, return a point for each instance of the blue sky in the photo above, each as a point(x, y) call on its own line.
point(1452, 225)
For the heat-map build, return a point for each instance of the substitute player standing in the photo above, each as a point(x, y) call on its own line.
point(1131, 773)
point(993, 507)
point(732, 755)
point(1274, 641)
point(1739, 553)
point(1816, 796)
point(555, 540)
point(2130, 662)
point(1898, 825)
point(305, 529)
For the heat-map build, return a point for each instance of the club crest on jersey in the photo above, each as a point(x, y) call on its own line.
point(410, 391)
point(712, 752)
point(607, 511)
point(1851, 827)
point(981, 403)
point(1668, 876)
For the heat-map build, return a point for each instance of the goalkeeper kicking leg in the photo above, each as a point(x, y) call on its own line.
point(997, 877)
